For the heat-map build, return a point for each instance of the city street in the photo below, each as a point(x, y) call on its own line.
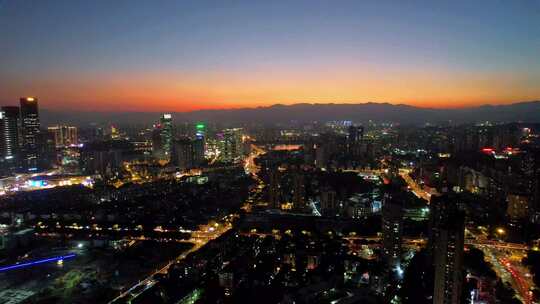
point(415, 188)
point(199, 238)
point(505, 259)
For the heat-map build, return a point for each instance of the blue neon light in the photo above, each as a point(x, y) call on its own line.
point(28, 264)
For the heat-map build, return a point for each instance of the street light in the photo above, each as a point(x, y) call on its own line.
point(501, 231)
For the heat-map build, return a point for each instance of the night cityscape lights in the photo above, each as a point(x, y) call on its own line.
point(270, 152)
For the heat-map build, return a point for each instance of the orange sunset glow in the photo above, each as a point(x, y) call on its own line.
point(223, 91)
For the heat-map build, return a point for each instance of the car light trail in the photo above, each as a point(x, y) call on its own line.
point(28, 264)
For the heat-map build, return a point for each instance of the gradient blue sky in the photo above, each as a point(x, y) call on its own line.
point(184, 55)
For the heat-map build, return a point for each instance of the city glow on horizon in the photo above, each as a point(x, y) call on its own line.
point(180, 93)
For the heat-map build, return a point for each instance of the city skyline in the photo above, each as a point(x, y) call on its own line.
point(269, 152)
point(183, 56)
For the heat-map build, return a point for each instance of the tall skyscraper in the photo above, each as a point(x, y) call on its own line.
point(9, 136)
point(157, 145)
point(199, 144)
point(232, 145)
point(30, 131)
point(439, 209)
point(446, 247)
point(448, 261)
point(354, 139)
point(392, 229)
point(200, 129)
point(274, 188)
point(63, 136)
point(198, 150)
point(166, 135)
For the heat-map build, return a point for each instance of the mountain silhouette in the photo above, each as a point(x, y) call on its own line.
point(306, 112)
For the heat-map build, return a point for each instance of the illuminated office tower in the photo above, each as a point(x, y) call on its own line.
point(64, 136)
point(392, 229)
point(232, 145)
point(199, 144)
point(166, 135)
point(115, 133)
point(30, 132)
point(200, 129)
point(71, 136)
point(9, 136)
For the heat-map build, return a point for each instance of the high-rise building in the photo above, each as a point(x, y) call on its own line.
point(48, 154)
point(200, 129)
point(199, 144)
point(274, 188)
point(157, 145)
point(446, 247)
point(167, 135)
point(355, 134)
point(329, 202)
point(448, 262)
point(299, 190)
point(392, 230)
point(354, 140)
point(321, 155)
point(439, 209)
point(63, 136)
point(232, 150)
point(9, 136)
point(198, 150)
point(518, 206)
point(115, 132)
point(30, 130)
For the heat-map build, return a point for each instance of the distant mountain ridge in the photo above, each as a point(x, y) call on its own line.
point(303, 112)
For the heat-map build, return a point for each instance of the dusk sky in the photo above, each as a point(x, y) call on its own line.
point(186, 55)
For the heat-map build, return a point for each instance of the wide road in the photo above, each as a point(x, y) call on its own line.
point(249, 164)
point(510, 271)
point(415, 188)
point(505, 259)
